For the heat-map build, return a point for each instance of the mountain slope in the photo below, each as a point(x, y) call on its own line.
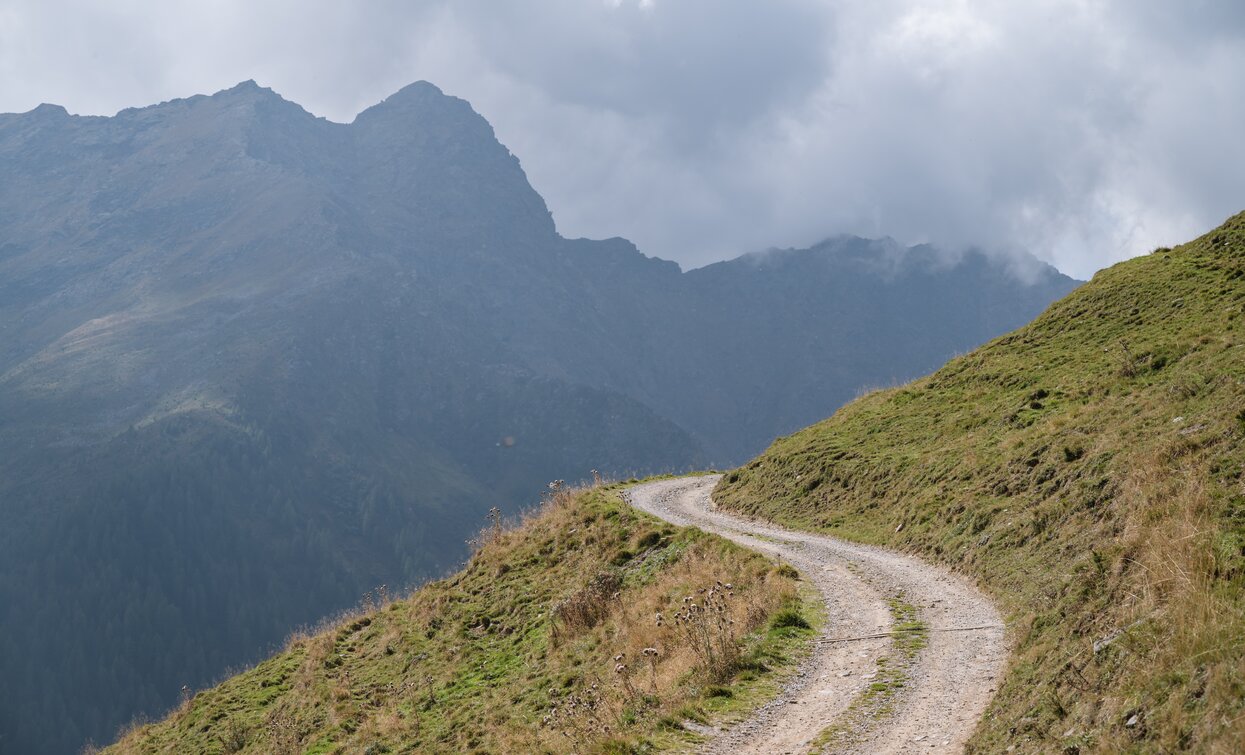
point(870, 313)
point(246, 377)
point(1088, 469)
point(549, 640)
point(254, 363)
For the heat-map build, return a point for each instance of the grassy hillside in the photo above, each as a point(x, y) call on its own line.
point(1088, 468)
point(569, 633)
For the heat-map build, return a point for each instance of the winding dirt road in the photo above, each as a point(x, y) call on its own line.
point(945, 686)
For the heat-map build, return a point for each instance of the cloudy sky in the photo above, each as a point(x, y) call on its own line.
point(1084, 131)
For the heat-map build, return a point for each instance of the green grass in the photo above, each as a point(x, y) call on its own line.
point(493, 660)
point(1088, 469)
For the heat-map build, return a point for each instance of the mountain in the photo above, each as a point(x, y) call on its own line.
point(1087, 468)
point(255, 363)
point(804, 331)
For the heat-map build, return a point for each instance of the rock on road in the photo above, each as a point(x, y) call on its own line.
point(948, 684)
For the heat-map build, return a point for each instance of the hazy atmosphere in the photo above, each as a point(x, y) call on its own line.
point(1082, 131)
point(622, 376)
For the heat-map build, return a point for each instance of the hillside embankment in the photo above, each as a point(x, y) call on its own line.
point(1087, 470)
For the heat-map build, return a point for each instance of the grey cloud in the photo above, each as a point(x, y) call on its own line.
point(1084, 131)
point(702, 65)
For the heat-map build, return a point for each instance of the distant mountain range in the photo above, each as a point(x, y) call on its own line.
point(254, 363)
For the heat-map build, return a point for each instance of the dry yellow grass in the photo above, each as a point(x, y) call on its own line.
point(491, 659)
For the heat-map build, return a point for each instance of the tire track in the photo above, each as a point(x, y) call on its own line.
point(946, 686)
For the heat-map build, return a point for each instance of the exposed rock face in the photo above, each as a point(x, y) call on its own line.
point(254, 363)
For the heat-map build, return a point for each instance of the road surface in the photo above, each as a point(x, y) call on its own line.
point(946, 685)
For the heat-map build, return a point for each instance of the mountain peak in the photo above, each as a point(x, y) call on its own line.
point(418, 98)
point(419, 88)
point(248, 88)
point(47, 110)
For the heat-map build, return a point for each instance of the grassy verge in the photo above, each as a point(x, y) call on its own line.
point(1088, 468)
point(589, 627)
point(770, 662)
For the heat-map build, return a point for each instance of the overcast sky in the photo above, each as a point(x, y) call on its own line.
point(1084, 131)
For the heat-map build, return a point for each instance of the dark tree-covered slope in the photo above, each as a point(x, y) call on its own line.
point(254, 363)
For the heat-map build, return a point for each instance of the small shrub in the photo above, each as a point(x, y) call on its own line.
point(787, 570)
point(648, 540)
point(234, 737)
point(789, 617)
point(582, 717)
point(588, 606)
point(705, 625)
point(284, 734)
point(1129, 364)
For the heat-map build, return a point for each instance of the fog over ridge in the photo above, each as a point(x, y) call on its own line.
point(1083, 132)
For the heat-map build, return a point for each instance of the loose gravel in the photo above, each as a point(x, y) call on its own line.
point(947, 685)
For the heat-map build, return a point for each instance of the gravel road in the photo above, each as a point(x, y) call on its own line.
point(947, 684)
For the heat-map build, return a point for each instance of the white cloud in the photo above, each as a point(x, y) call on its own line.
point(1083, 130)
point(933, 40)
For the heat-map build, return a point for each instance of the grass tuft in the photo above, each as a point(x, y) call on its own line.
point(789, 617)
